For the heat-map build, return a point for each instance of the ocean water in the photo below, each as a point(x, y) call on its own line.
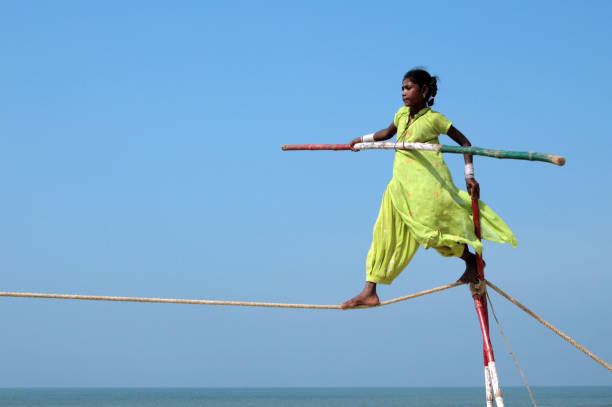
point(302, 397)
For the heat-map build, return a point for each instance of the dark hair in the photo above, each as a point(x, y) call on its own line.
point(422, 77)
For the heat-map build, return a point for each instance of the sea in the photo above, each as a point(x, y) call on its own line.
point(301, 397)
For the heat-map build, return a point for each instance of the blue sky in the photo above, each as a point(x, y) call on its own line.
point(140, 148)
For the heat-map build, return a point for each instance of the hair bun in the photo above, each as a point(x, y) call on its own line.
point(434, 86)
point(433, 90)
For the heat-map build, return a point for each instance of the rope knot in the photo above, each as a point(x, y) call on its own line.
point(479, 288)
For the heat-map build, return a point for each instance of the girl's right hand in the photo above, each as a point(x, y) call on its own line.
point(473, 187)
point(353, 142)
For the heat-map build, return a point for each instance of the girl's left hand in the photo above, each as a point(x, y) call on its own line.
point(472, 187)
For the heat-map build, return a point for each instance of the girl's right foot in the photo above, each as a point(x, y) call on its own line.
point(367, 297)
point(471, 268)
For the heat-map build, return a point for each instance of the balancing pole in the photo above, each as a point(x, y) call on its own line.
point(478, 290)
point(442, 148)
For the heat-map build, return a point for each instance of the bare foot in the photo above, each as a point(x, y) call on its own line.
point(471, 268)
point(367, 297)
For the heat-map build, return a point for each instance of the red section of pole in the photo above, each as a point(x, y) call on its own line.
point(334, 147)
point(487, 349)
point(480, 301)
point(476, 215)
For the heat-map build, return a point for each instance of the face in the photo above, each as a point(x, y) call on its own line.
point(412, 94)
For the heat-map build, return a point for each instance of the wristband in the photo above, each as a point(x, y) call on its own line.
point(367, 138)
point(469, 171)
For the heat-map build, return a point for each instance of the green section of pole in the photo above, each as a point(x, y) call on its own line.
point(515, 155)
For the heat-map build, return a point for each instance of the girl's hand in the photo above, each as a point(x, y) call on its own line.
point(353, 142)
point(472, 187)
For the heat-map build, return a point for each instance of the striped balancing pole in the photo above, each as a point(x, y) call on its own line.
point(515, 155)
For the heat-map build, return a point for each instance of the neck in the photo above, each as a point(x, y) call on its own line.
point(416, 108)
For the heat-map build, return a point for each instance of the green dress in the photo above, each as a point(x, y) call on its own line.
point(422, 206)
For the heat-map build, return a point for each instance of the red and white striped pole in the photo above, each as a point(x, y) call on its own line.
point(493, 389)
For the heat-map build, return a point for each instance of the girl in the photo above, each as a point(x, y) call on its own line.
point(421, 206)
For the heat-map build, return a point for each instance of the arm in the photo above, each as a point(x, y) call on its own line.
point(380, 135)
point(471, 184)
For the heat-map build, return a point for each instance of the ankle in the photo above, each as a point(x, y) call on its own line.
point(370, 287)
point(468, 256)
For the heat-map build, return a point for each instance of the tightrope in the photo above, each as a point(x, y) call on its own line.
point(215, 302)
point(301, 306)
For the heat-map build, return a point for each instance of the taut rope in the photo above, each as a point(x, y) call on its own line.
point(302, 306)
point(215, 302)
point(549, 326)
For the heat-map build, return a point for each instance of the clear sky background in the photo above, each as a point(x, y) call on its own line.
point(140, 156)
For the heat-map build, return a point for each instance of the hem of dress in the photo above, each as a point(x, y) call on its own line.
point(378, 280)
